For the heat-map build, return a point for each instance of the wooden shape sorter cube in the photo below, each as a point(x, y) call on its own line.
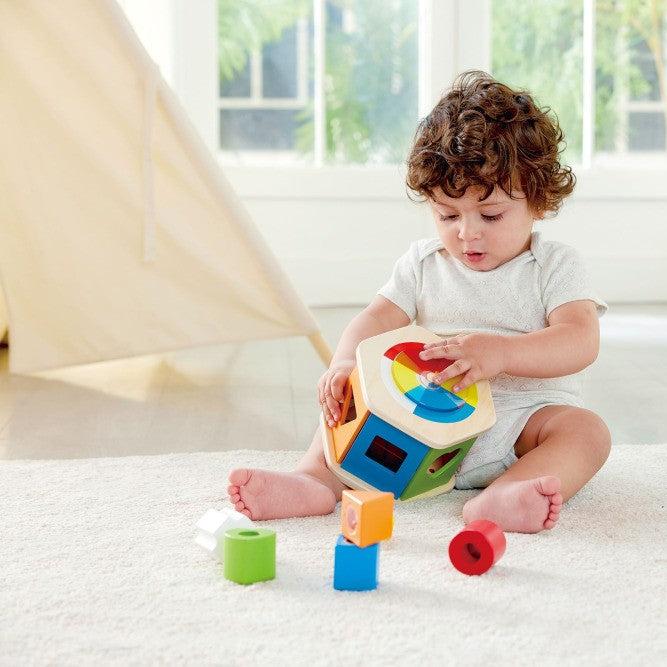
point(367, 517)
point(399, 432)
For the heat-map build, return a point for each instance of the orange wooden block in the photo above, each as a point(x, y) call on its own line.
point(367, 517)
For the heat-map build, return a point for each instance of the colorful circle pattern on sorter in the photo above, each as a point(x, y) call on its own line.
point(404, 375)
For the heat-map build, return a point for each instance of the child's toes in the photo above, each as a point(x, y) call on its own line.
point(247, 513)
point(239, 476)
point(239, 505)
point(556, 499)
point(549, 524)
point(232, 489)
point(553, 516)
point(234, 497)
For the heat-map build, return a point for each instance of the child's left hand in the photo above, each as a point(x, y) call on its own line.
point(477, 356)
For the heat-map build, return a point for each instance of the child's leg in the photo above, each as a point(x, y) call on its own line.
point(559, 450)
point(311, 489)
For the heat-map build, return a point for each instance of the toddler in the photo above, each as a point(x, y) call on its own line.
point(510, 306)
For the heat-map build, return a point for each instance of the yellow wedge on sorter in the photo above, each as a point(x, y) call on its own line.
point(367, 517)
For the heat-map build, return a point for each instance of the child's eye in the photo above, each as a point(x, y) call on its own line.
point(493, 218)
point(444, 218)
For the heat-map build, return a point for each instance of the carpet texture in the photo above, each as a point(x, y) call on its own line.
point(98, 566)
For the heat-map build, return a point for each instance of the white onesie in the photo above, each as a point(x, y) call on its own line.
point(440, 293)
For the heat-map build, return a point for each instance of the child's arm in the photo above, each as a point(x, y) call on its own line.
point(378, 316)
point(567, 345)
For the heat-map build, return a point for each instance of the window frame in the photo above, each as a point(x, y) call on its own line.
point(463, 43)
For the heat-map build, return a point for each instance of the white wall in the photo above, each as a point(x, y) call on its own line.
point(339, 245)
point(153, 21)
point(339, 252)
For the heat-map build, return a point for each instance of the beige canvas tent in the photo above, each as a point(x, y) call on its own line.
point(119, 235)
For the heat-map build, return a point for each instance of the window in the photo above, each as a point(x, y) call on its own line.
point(325, 82)
point(338, 83)
point(542, 46)
point(538, 46)
point(631, 62)
point(264, 94)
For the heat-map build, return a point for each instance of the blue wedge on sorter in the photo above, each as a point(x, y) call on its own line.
point(355, 568)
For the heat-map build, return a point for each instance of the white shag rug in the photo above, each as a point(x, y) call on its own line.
point(98, 566)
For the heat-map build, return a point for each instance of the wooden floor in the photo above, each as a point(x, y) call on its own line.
point(261, 395)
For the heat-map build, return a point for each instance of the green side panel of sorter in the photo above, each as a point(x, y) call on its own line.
point(423, 480)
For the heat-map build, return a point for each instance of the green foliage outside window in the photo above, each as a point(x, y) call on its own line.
point(245, 25)
point(538, 45)
point(371, 71)
point(371, 84)
point(637, 23)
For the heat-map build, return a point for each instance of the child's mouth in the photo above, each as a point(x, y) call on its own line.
point(475, 256)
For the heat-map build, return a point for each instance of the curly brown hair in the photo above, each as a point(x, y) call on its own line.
point(483, 133)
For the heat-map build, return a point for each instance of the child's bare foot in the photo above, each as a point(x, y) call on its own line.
point(526, 506)
point(263, 494)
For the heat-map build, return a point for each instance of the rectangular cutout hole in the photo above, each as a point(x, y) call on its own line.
point(351, 413)
point(383, 452)
point(437, 466)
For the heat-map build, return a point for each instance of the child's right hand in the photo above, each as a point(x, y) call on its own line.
point(331, 389)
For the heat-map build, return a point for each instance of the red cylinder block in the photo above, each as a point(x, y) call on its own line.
point(477, 548)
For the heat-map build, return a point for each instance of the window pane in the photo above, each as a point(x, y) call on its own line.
point(537, 46)
point(238, 85)
point(255, 129)
point(631, 111)
point(642, 59)
point(265, 52)
point(280, 67)
point(646, 131)
point(371, 79)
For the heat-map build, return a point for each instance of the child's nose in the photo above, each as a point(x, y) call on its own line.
point(469, 231)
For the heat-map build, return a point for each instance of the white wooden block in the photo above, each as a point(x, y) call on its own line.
point(212, 526)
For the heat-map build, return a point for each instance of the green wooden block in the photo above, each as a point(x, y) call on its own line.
point(427, 478)
point(249, 555)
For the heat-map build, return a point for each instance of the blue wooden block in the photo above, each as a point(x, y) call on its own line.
point(355, 569)
point(384, 456)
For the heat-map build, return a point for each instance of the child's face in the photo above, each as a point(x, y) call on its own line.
point(483, 234)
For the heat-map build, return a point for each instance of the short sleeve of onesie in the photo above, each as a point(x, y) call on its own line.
point(401, 288)
point(563, 277)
